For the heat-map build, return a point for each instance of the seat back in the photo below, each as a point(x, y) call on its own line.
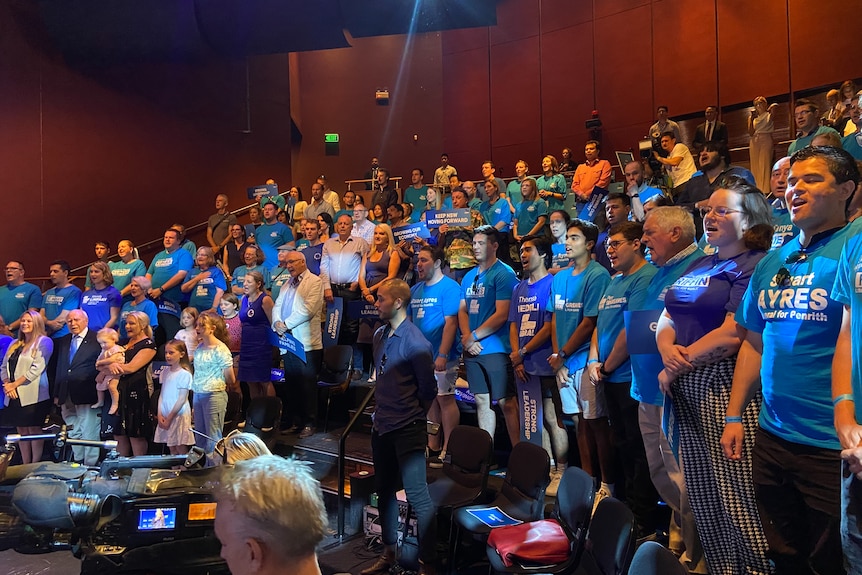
point(469, 449)
point(611, 537)
point(527, 478)
point(574, 506)
point(262, 418)
point(652, 558)
point(337, 366)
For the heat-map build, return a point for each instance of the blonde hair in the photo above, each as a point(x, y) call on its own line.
point(106, 272)
point(216, 322)
point(390, 238)
point(108, 333)
point(143, 322)
point(38, 330)
point(180, 347)
point(243, 446)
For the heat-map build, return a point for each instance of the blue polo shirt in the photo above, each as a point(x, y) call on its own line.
point(269, 237)
point(123, 272)
point(418, 198)
point(556, 184)
point(799, 324)
point(496, 213)
point(57, 300)
point(529, 313)
point(481, 292)
point(575, 296)
point(848, 291)
point(612, 306)
point(165, 266)
point(430, 305)
point(204, 293)
point(15, 300)
point(147, 306)
point(528, 213)
point(646, 362)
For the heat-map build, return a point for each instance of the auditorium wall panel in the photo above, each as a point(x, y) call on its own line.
point(567, 86)
point(559, 14)
point(516, 19)
point(467, 106)
point(824, 42)
point(515, 98)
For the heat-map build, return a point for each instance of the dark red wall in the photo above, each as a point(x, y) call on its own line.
point(123, 152)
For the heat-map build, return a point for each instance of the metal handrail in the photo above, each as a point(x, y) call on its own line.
point(396, 179)
point(342, 459)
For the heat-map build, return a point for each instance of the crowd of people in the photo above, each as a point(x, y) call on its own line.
point(687, 329)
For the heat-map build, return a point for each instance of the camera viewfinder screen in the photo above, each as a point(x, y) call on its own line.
point(156, 519)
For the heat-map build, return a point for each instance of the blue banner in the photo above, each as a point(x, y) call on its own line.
point(640, 331)
point(560, 258)
point(158, 367)
point(436, 218)
point(257, 192)
point(670, 426)
point(167, 306)
point(361, 309)
point(493, 517)
point(411, 231)
point(589, 211)
point(288, 344)
point(332, 326)
point(530, 408)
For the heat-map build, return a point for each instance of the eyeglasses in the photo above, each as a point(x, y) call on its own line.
point(782, 278)
point(720, 211)
point(614, 245)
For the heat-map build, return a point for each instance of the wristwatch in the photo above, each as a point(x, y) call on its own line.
point(522, 352)
point(562, 354)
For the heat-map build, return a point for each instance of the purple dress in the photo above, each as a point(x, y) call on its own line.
point(255, 351)
point(374, 273)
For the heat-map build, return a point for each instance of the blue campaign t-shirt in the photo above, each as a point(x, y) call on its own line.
point(98, 303)
point(123, 272)
point(165, 266)
point(848, 291)
point(429, 307)
point(528, 213)
point(782, 224)
point(699, 301)
point(240, 273)
point(418, 198)
point(15, 300)
point(269, 237)
point(612, 306)
point(278, 276)
point(57, 300)
point(513, 192)
point(481, 291)
point(496, 213)
point(575, 296)
point(204, 293)
point(799, 324)
point(646, 366)
point(555, 184)
point(147, 306)
point(529, 312)
point(312, 257)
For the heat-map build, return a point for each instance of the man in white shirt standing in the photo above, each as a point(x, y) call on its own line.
point(299, 311)
point(679, 163)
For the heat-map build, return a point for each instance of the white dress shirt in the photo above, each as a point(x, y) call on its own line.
point(300, 307)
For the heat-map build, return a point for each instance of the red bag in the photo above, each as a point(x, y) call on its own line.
point(540, 542)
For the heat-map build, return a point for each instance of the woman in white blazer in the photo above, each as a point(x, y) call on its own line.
point(25, 382)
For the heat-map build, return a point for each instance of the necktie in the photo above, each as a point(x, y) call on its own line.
point(708, 131)
point(73, 348)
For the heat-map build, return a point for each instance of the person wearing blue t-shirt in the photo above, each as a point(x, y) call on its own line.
point(609, 368)
point(498, 214)
point(128, 267)
point(17, 296)
point(847, 392)
point(558, 222)
point(668, 233)
point(574, 301)
point(787, 352)
point(313, 250)
point(513, 188)
point(530, 338)
point(531, 214)
point(551, 184)
point(637, 189)
point(206, 282)
point(58, 301)
point(139, 286)
point(417, 193)
point(486, 292)
point(102, 301)
point(784, 230)
point(434, 307)
point(272, 234)
point(167, 273)
point(254, 262)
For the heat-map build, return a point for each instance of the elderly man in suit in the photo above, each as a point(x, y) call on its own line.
point(72, 375)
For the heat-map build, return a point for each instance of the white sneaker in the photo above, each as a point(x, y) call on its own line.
point(554, 485)
point(602, 493)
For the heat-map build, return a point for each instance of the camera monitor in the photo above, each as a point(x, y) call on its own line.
point(157, 518)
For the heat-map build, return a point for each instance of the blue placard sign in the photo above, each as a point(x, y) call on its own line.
point(257, 192)
point(288, 344)
point(332, 326)
point(436, 218)
point(410, 231)
point(493, 517)
point(361, 309)
point(589, 211)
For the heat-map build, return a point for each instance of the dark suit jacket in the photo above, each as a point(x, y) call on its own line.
point(719, 134)
point(78, 380)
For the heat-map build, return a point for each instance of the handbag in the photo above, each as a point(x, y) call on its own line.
point(541, 542)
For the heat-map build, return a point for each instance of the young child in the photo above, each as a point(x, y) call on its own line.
point(188, 335)
point(175, 415)
point(105, 380)
point(229, 306)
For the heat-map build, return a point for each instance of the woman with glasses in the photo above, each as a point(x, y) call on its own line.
point(698, 339)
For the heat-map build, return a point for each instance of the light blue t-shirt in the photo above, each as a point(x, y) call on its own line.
point(418, 198)
point(612, 306)
point(278, 277)
point(788, 303)
point(646, 366)
point(429, 307)
point(556, 184)
point(269, 237)
point(123, 272)
point(852, 146)
point(575, 296)
point(165, 266)
point(98, 303)
point(15, 300)
point(529, 314)
point(481, 291)
point(496, 213)
point(848, 291)
point(528, 213)
point(782, 224)
point(57, 300)
point(147, 306)
point(513, 192)
point(805, 141)
point(240, 273)
point(204, 293)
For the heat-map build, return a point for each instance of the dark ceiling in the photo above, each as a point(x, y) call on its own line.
point(117, 31)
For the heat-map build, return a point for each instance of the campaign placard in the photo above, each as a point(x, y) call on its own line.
point(530, 396)
point(361, 309)
point(332, 326)
point(493, 517)
point(288, 344)
point(410, 231)
point(436, 218)
point(589, 211)
point(257, 192)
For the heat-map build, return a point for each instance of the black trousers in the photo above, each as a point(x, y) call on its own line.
point(299, 390)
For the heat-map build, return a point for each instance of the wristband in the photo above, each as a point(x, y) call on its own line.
point(592, 361)
point(474, 336)
point(843, 397)
point(443, 355)
point(733, 419)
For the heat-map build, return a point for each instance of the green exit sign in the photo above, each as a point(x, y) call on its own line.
point(330, 138)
